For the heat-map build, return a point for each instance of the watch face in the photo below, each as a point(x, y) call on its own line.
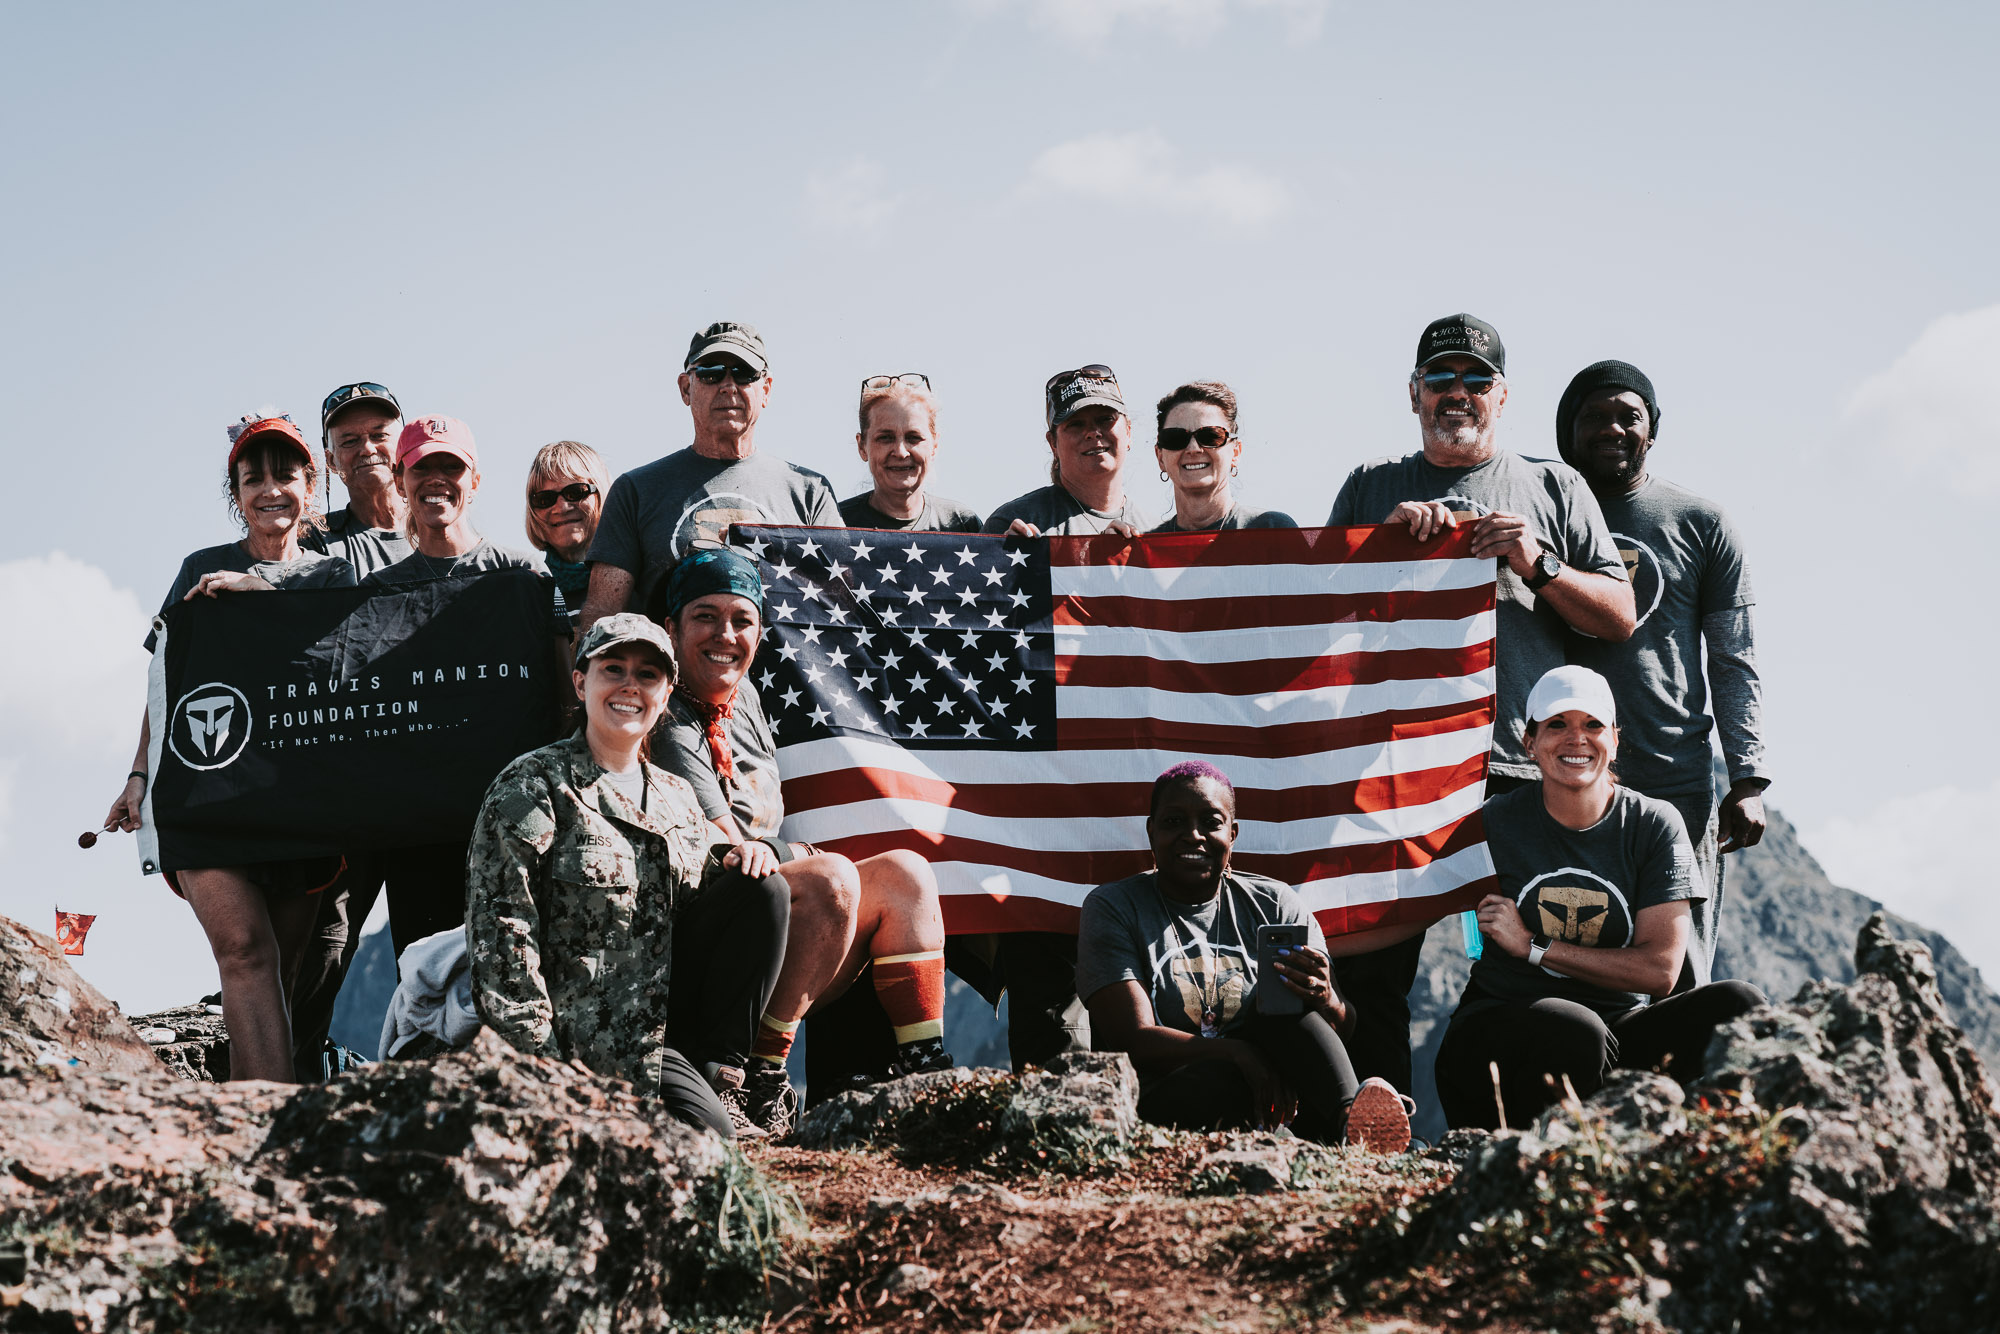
point(1549, 566)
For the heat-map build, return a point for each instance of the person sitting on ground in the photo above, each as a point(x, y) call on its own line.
point(882, 912)
point(898, 439)
point(1167, 962)
point(1590, 924)
point(1198, 450)
point(566, 486)
point(593, 930)
point(257, 917)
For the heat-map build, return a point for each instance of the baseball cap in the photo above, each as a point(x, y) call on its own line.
point(1464, 335)
point(1564, 688)
point(625, 627)
point(362, 391)
point(430, 435)
point(247, 428)
point(738, 340)
point(1087, 386)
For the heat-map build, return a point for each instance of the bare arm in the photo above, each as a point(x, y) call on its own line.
point(125, 811)
point(1650, 965)
point(1122, 1019)
point(1597, 604)
point(610, 590)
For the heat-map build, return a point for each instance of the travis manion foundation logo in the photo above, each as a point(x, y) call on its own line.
point(210, 726)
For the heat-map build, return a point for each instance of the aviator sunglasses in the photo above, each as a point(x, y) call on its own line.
point(1174, 439)
point(575, 493)
point(712, 374)
point(1475, 382)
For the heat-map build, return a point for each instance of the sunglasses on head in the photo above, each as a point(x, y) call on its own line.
point(1475, 382)
point(1174, 439)
point(1095, 371)
point(575, 493)
point(347, 392)
point(737, 371)
point(887, 381)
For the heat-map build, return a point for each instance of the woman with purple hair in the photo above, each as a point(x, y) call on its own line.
point(1167, 962)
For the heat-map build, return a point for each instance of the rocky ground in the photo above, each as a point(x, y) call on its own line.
point(1838, 1170)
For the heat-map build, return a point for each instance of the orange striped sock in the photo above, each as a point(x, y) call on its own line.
point(773, 1042)
point(911, 989)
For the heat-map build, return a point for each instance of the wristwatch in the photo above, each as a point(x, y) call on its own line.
point(1547, 567)
point(1537, 947)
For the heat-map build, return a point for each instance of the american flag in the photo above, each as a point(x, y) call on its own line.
point(1002, 705)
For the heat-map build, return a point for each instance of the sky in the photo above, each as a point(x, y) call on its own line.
point(518, 215)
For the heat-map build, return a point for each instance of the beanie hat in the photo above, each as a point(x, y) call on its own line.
point(1620, 375)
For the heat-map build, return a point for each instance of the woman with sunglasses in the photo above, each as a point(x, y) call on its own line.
point(257, 916)
point(898, 439)
point(566, 486)
point(1197, 451)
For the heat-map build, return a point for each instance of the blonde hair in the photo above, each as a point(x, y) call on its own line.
point(900, 389)
point(564, 458)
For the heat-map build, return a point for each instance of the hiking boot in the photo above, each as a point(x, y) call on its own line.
point(727, 1081)
point(1379, 1117)
point(770, 1101)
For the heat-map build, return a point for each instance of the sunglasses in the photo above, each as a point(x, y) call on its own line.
point(1095, 371)
point(348, 392)
point(1176, 438)
point(888, 381)
point(736, 371)
point(575, 493)
point(1475, 382)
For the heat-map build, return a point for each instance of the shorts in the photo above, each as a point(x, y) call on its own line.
point(295, 877)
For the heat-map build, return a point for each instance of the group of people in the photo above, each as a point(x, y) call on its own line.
point(627, 898)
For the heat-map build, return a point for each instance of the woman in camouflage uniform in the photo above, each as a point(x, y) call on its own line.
point(598, 928)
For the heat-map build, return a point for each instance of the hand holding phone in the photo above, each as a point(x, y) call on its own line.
point(1273, 996)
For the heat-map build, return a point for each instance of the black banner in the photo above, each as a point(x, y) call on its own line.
point(317, 722)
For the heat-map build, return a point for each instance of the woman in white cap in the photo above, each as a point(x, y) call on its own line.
point(1197, 448)
point(1582, 945)
point(258, 916)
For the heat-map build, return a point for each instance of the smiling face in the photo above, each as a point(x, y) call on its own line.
point(1610, 437)
point(1092, 443)
point(898, 445)
point(439, 488)
point(361, 446)
point(715, 638)
point(272, 488)
point(1196, 471)
point(1458, 425)
point(1192, 829)
point(568, 525)
point(1573, 749)
point(623, 690)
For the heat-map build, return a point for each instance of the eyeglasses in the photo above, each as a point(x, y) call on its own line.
point(737, 371)
point(890, 381)
point(1176, 438)
point(348, 392)
point(1095, 371)
point(575, 493)
point(1475, 382)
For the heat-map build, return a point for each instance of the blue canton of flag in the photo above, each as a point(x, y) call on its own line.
point(930, 640)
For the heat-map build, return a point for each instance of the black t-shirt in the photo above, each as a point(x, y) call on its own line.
point(937, 516)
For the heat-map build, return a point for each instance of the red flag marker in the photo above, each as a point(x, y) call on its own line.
point(71, 928)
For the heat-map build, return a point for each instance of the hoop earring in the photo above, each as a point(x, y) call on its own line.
point(1164, 477)
point(1232, 470)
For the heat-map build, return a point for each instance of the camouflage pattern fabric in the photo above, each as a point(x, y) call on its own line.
point(572, 894)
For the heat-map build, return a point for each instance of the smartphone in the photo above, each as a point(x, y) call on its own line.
point(1273, 996)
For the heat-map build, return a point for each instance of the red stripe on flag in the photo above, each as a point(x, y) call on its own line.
point(1262, 546)
point(1269, 743)
point(1257, 676)
point(1255, 613)
point(1404, 912)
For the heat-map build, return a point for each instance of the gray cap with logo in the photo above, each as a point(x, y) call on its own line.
point(727, 337)
point(625, 627)
point(1069, 392)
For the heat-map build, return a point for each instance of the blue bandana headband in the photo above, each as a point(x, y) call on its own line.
point(709, 570)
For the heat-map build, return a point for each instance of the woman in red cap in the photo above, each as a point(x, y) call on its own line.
point(257, 917)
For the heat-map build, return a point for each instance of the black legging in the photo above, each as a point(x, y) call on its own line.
point(1302, 1049)
point(1537, 1043)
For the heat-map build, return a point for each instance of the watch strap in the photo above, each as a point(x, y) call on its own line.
point(1544, 575)
point(1537, 947)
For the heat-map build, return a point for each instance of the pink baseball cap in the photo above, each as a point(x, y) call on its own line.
point(425, 436)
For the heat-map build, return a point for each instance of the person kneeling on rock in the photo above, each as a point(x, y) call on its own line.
point(1588, 930)
point(1167, 962)
point(599, 929)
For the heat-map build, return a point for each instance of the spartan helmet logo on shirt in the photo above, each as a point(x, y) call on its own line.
point(1211, 987)
point(1642, 567)
point(1578, 906)
point(210, 726)
point(708, 516)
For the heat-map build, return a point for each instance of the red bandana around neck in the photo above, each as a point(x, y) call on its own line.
point(715, 722)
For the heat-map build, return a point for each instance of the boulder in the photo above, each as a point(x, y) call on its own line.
point(486, 1190)
point(53, 1017)
point(199, 1045)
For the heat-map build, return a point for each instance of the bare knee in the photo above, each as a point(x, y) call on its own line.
point(825, 888)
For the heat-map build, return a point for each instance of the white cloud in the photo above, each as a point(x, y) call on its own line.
point(854, 196)
point(1928, 856)
point(1092, 21)
point(1929, 409)
point(1142, 168)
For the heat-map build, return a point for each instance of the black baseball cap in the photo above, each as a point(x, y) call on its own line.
point(728, 337)
point(347, 396)
point(1087, 386)
point(1462, 335)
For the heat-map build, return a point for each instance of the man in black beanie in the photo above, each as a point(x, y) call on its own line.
point(1692, 590)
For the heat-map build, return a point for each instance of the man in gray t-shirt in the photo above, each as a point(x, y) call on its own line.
point(654, 513)
point(1693, 594)
point(359, 425)
point(1557, 567)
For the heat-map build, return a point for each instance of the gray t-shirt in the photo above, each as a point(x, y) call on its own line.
point(655, 512)
point(1239, 516)
point(366, 549)
point(1059, 514)
point(417, 568)
point(1197, 962)
point(311, 570)
point(1686, 565)
point(1565, 518)
point(753, 800)
point(937, 516)
point(1584, 886)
